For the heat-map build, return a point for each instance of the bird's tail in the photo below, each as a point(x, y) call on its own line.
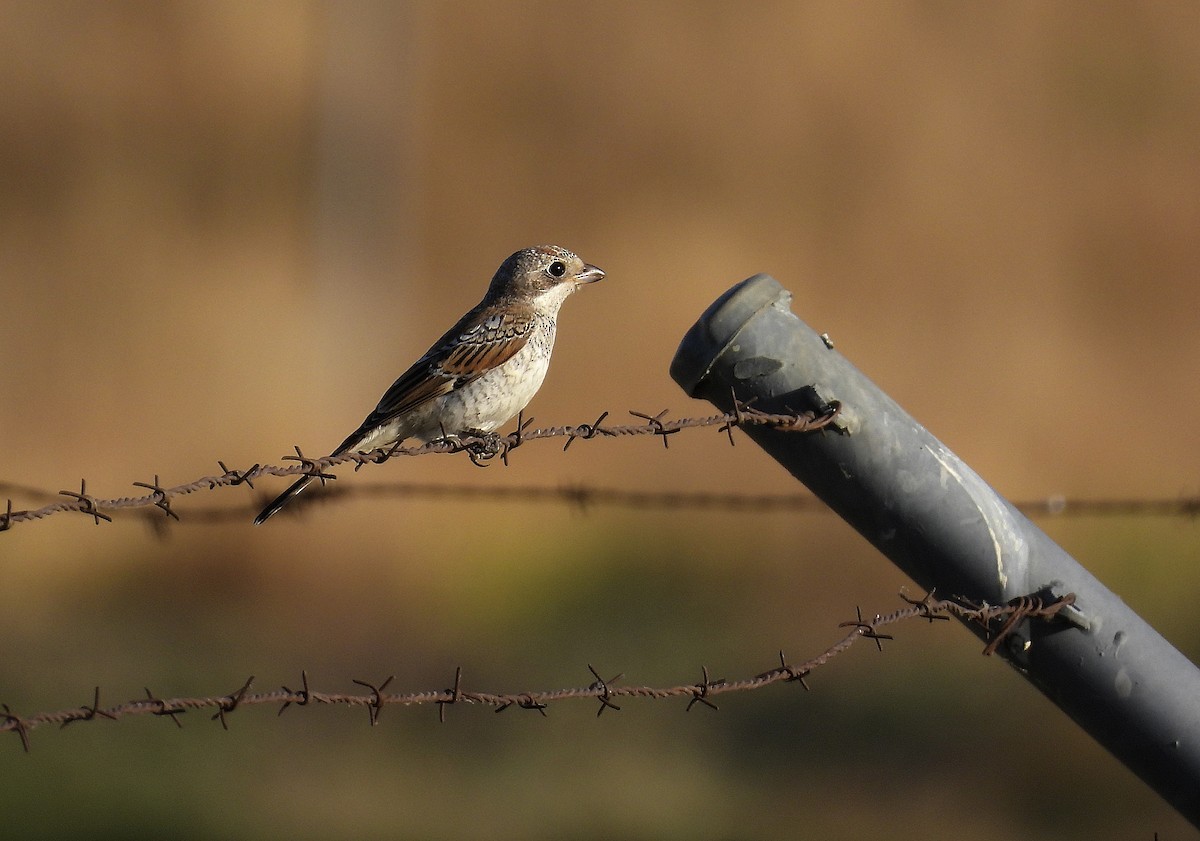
point(283, 499)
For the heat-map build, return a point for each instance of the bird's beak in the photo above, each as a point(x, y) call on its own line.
point(590, 274)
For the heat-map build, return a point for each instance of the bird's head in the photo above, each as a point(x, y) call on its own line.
point(543, 276)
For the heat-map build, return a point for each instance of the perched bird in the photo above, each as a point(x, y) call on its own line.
point(484, 370)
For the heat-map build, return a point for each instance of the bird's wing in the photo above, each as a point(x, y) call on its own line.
point(477, 344)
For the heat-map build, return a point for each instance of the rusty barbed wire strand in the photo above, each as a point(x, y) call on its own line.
point(588, 496)
point(585, 497)
point(480, 449)
point(600, 690)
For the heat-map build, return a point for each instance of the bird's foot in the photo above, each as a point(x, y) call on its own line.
point(486, 447)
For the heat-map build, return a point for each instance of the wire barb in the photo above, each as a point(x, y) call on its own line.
point(525, 701)
point(517, 438)
point(375, 706)
point(867, 629)
point(656, 422)
point(235, 478)
point(163, 709)
point(305, 695)
point(925, 605)
point(528, 703)
point(229, 703)
point(18, 724)
point(454, 694)
point(312, 466)
point(90, 712)
point(793, 674)
point(738, 416)
point(602, 685)
point(88, 501)
point(587, 431)
point(162, 501)
point(700, 691)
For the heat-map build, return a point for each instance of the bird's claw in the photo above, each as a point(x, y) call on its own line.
point(485, 447)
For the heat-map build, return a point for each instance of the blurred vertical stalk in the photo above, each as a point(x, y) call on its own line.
point(366, 188)
point(936, 519)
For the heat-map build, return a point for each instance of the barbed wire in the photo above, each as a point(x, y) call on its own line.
point(997, 620)
point(483, 450)
point(585, 497)
point(1060, 505)
point(480, 449)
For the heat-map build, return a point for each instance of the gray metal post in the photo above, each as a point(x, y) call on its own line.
point(927, 511)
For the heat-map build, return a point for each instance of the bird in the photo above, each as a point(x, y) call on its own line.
point(483, 370)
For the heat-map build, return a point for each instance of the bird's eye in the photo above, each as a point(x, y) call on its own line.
point(558, 268)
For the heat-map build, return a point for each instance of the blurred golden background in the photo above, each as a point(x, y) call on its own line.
point(225, 228)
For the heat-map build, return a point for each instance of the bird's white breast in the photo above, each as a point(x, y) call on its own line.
point(493, 399)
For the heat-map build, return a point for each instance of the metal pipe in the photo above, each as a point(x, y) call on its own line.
point(936, 519)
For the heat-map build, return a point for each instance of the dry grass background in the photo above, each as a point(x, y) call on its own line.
point(224, 228)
